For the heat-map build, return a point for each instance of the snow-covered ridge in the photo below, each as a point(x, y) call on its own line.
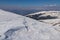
point(17, 27)
point(46, 13)
point(50, 17)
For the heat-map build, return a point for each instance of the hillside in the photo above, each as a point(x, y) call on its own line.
point(49, 17)
point(17, 27)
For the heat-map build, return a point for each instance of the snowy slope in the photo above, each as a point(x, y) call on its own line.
point(17, 27)
point(53, 22)
point(45, 13)
point(49, 17)
point(52, 13)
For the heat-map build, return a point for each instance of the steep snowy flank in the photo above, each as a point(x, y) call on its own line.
point(17, 27)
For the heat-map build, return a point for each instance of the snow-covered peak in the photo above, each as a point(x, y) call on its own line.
point(17, 27)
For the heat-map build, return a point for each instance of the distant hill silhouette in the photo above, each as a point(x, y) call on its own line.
point(25, 11)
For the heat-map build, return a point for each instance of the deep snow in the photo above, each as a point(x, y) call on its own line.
point(17, 27)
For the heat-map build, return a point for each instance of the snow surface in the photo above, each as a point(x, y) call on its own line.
point(46, 13)
point(17, 27)
point(53, 22)
point(43, 16)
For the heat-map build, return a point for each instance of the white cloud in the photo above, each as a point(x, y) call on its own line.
point(51, 5)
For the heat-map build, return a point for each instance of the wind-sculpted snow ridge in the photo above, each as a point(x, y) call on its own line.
point(17, 27)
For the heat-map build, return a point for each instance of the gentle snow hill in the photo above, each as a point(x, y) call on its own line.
point(49, 17)
point(17, 27)
point(46, 13)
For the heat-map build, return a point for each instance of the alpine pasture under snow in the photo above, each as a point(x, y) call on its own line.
point(17, 27)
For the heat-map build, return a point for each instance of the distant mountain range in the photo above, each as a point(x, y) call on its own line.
point(25, 11)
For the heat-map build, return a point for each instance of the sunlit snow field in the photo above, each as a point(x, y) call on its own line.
point(17, 27)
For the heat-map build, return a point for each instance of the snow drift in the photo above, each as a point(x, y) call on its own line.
point(17, 27)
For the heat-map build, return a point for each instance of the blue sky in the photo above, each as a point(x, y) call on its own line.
point(29, 3)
